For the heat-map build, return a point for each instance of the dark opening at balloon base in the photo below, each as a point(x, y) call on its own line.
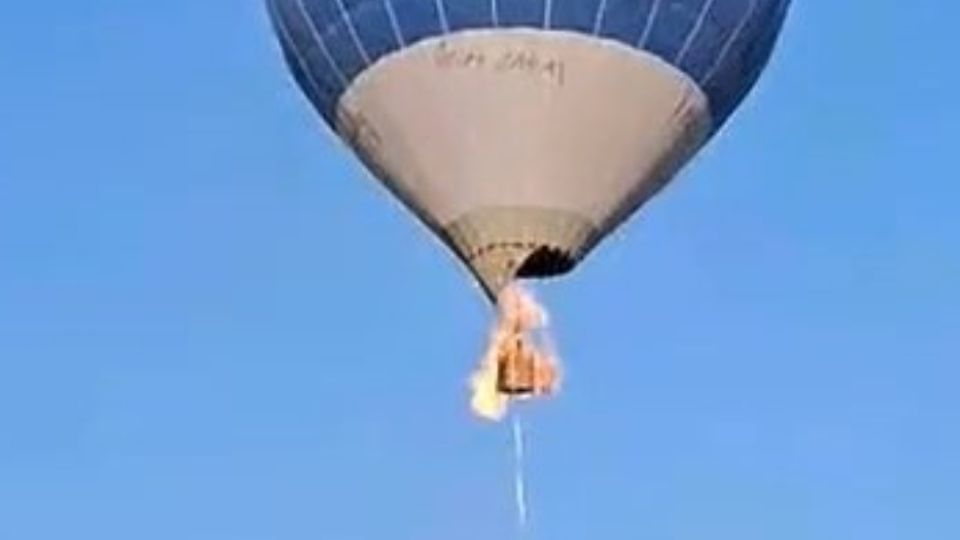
point(546, 261)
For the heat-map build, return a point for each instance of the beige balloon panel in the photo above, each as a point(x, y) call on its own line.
point(505, 141)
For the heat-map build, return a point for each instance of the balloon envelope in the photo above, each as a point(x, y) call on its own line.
point(523, 131)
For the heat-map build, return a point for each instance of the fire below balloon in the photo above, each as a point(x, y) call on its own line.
point(519, 363)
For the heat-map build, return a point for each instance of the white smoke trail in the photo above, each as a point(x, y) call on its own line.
point(518, 480)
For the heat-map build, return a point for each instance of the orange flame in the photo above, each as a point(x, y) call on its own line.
point(518, 362)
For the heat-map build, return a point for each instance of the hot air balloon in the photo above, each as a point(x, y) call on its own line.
point(522, 132)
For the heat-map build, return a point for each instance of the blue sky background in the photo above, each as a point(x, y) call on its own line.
point(213, 325)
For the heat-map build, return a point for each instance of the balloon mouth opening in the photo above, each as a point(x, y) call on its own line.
point(546, 261)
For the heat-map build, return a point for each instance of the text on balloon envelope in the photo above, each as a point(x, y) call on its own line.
point(513, 60)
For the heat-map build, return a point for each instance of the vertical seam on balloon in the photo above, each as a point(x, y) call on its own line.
point(318, 39)
point(442, 14)
point(648, 26)
point(547, 13)
point(725, 50)
point(392, 15)
point(287, 39)
point(598, 20)
point(345, 15)
point(694, 33)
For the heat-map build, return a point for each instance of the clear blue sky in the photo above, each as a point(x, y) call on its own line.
point(214, 326)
